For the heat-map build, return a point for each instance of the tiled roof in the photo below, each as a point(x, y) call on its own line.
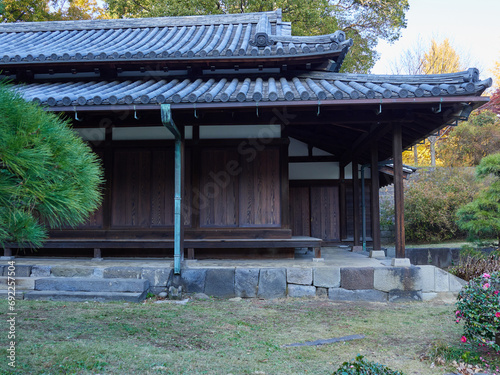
point(168, 38)
point(303, 87)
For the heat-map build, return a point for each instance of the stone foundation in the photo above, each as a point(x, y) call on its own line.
point(377, 284)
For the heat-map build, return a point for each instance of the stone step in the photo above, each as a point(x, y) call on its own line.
point(85, 296)
point(87, 284)
point(21, 283)
point(4, 294)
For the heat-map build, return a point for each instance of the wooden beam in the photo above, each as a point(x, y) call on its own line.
point(375, 206)
point(398, 191)
point(356, 204)
point(364, 140)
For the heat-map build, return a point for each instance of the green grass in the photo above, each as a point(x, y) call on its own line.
point(223, 337)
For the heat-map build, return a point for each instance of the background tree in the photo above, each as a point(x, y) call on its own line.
point(437, 58)
point(48, 175)
point(481, 217)
point(364, 21)
point(49, 10)
point(471, 140)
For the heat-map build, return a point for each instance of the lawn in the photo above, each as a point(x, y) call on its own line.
point(224, 337)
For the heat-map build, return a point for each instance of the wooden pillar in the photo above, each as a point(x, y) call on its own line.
point(397, 154)
point(7, 252)
point(356, 205)
point(342, 204)
point(375, 206)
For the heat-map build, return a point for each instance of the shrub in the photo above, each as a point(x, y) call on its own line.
point(431, 201)
point(474, 263)
point(362, 367)
point(478, 305)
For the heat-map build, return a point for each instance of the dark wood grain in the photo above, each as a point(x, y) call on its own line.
point(325, 218)
point(300, 211)
point(218, 189)
point(131, 201)
point(259, 203)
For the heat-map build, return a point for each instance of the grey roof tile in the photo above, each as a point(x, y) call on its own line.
point(238, 35)
point(250, 88)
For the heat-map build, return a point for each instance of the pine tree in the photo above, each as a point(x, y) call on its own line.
point(48, 176)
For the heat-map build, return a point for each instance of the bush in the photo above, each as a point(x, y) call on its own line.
point(474, 263)
point(363, 367)
point(432, 199)
point(478, 306)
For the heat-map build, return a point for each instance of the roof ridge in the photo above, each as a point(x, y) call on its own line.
point(274, 16)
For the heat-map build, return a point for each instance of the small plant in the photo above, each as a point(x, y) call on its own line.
point(474, 263)
point(362, 367)
point(478, 306)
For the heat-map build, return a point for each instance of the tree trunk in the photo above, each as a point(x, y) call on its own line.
point(432, 141)
point(415, 155)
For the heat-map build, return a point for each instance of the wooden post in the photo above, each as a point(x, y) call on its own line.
point(375, 206)
point(356, 205)
point(97, 255)
point(7, 254)
point(342, 204)
point(397, 154)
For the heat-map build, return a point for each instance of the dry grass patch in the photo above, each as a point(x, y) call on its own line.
point(223, 337)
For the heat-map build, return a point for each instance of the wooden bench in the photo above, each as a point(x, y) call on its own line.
point(190, 244)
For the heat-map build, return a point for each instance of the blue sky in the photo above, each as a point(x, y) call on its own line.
point(473, 27)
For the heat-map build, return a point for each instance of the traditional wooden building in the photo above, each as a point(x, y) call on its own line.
point(227, 131)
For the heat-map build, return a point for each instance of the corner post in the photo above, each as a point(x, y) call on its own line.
point(375, 205)
point(355, 200)
point(397, 154)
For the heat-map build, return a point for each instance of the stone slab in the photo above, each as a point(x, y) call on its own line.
point(321, 292)
point(272, 283)
point(85, 296)
point(40, 271)
point(405, 295)
point(369, 295)
point(427, 278)
point(193, 280)
point(157, 277)
point(441, 280)
point(20, 271)
point(396, 278)
point(357, 249)
point(122, 273)
point(220, 282)
point(326, 277)
point(21, 283)
point(299, 291)
point(356, 278)
point(4, 294)
point(301, 276)
point(60, 271)
point(81, 284)
point(246, 281)
point(456, 283)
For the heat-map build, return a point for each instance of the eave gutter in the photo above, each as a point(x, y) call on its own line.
point(271, 104)
point(168, 122)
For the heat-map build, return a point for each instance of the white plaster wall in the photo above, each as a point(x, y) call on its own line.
point(91, 134)
point(147, 133)
point(238, 132)
point(313, 171)
point(319, 152)
point(297, 148)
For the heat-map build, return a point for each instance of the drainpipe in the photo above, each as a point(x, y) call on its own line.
point(168, 122)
